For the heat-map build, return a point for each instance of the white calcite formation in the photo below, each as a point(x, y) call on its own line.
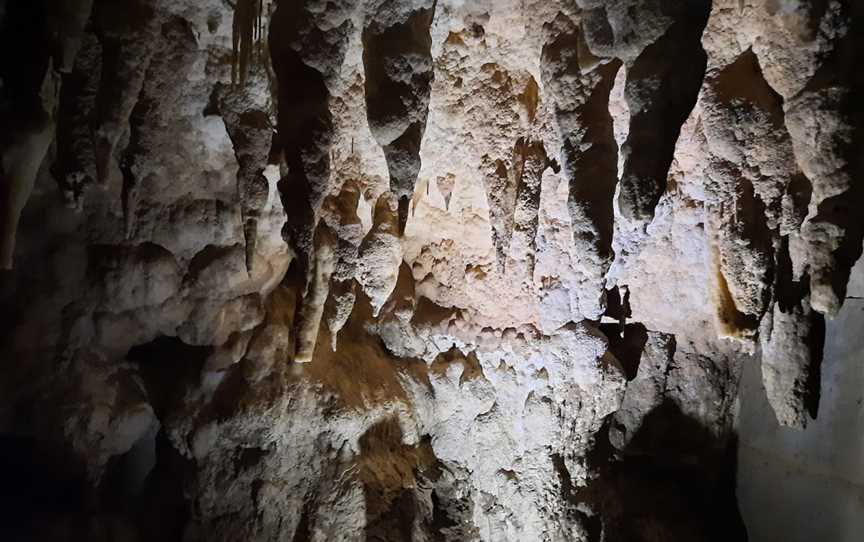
point(413, 269)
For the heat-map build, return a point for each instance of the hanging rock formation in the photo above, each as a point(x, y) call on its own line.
point(41, 43)
point(580, 84)
point(307, 46)
point(251, 131)
point(398, 70)
point(415, 269)
point(659, 94)
point(381, 253)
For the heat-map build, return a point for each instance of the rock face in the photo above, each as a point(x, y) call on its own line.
point(414, 270)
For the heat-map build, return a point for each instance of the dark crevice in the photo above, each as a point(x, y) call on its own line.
point(799, 192)
point(248, 458)
point(303, 531)
point(130, 186)
point(618, 304)
point(169, 368)
point(816, 348)
point(441, 520)
point(574, 497)
point(164, 496)
point(452, 508)
point(626, 345)
point(843, 211)
point(40, 486)
point(36, 41)
point(788, 292)
point(742, 84)
point(675, 480)
point(126, 475)
point(388, 470)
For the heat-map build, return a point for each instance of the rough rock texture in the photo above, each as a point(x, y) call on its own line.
point(413, 269)
point(786, 471)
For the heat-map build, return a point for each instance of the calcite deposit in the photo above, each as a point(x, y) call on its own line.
point(414, 269)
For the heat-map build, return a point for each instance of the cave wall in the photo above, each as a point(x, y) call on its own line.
point(428, 270)
point(806, 485)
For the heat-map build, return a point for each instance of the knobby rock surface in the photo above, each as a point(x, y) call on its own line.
point(414, 269)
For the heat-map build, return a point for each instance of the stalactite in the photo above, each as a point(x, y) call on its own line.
point(340, 212)
point(245, 111)
point(792, 337)
point(398, 62)
point(307, 43)
point(34, 82)
point(513, 194)
point(660, 96)
point(246, 38)
point(322, 267)
point(381, 253)
point(528, 402)
point(579, 84)
point(246, 121)
point(74, 168)
point(129, 36)
point(532, 162)
point(20, 162)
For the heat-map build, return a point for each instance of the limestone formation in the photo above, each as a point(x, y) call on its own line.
point(246, 112)
point(416, 269)
point(380, 253)
point(579, 85)
point(398, 69)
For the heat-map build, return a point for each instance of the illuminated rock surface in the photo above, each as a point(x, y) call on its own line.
point(428, 270)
